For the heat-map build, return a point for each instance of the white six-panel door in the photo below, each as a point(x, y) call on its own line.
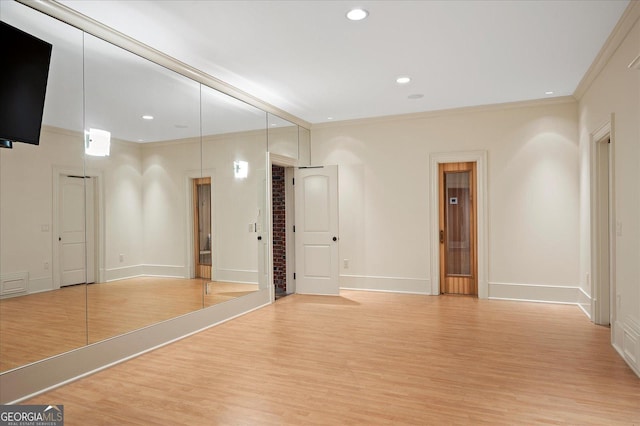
point(316, 195)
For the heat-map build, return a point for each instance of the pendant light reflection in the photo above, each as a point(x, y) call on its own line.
point(97, 143)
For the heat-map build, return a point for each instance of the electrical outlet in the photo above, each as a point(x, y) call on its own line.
point(345, 263)
point(121, 257)
point(46, 266)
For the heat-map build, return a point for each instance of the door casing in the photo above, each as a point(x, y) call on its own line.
point(601, 291)
point(98, 223)
point(480, 158)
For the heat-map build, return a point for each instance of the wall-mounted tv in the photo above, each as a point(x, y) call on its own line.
point(24, 69)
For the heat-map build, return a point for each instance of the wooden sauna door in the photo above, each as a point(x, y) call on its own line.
point(458, 229)
point(202, 227)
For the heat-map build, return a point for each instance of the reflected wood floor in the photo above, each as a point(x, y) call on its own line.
point(40, 325)
point(371, 358)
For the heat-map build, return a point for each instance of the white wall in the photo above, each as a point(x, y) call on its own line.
point(616, 90)
point(533, 196)
point(167, 169)
point(26, 206)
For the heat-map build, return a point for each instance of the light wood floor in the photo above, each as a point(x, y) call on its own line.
point(371, 358)
point(41, 325)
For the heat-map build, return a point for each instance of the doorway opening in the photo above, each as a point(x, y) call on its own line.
point(279, 224)
point(458, 228)
point(603, 228)
point(202, 246)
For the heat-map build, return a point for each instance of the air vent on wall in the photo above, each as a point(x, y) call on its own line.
point(635, 63)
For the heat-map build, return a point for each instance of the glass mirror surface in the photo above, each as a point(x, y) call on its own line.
point(142, 190)
point(304, 146)
point(42, 256)
point(233, 161)
point(283, 137)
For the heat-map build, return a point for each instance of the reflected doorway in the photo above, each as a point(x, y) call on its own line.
point(458, 249)
point(76, 229)
point(202, 227)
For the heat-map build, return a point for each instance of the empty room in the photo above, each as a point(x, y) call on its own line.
point(320, 212)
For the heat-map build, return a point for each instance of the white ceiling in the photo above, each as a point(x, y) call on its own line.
point(306, 58)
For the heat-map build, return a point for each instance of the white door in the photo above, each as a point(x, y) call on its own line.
point(316, 197)
point(72, 239)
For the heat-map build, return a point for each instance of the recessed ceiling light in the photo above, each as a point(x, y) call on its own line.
point(548, 92)
point(416, 96)
point(403, 80)
point(329, 118)
point(147, 117)
point(357, 14)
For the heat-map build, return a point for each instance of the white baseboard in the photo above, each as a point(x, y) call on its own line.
point(534, 293)
point(123, 273)
point(240, 276)
point(385, 284)
point(170, 271)
point(584, 302)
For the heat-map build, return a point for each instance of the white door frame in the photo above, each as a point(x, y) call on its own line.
point(480, 158)
point(287, 162)
point(55, 222)
point(597, 311)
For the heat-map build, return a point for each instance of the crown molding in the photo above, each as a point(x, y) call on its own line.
point(448, 112)
point(617, 36)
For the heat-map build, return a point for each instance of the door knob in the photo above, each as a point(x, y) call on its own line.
point(335, 238)
point(259, 237)
point(441, 236)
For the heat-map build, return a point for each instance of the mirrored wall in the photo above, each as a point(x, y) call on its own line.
point(144, 201)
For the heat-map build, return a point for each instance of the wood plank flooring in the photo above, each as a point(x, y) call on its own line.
point(371, 358)
point(41, 325)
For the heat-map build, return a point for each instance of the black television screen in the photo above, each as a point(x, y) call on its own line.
point(24, 69)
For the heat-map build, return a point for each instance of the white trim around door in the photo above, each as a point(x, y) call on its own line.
point(480, 158)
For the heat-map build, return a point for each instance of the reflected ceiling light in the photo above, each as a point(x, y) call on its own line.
point(240, 169)
point(549, 92)
point(357, 14)
point(403, 79)
point(147, 117)
point(97, 143)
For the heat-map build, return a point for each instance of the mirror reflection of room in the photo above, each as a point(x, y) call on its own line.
point(107, 198)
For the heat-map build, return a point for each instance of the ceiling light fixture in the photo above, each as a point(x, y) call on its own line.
point(403, 80)
point(329, 118)
point(147, 117)
point(357, 14)
point(549, 92)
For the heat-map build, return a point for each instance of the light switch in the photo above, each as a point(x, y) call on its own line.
point(44, 228)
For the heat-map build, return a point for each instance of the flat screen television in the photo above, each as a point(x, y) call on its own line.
point(24, 70)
